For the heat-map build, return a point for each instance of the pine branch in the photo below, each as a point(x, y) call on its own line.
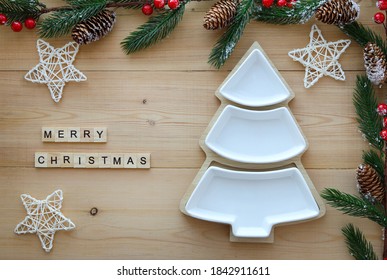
point(372, 158)
point(363, 35)
point(19, 10)
point(370, 123)
point(355, 206)
point(136, 4)
point(156, 29)
point(226, 44)
point(61, 22)
point(301, 12)
point(357, 244)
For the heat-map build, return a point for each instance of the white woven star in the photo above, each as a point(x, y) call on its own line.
point(55, 68)
point(320, 58)
point(44, 218)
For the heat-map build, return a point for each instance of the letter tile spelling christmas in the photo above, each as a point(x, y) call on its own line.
point(55, 68)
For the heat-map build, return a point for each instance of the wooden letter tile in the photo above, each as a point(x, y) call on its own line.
point(79, 160)
point(92, 160)
point(143, 160)
point(41, 160)
point(61, 134)
point(74, 134)
point(100, 134)
point(117, 161)
point(48, 134)
point(105, 160)
point(67, 160)
point(53, 160)
point(87, 134)
point(130, 160)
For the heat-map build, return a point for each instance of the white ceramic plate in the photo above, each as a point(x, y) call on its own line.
point(252, 202)
point(256, 136)
point(255, 83)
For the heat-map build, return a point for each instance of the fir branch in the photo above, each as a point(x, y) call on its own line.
point(226, 44)
point(355, 206)
point(156, 29)
point(128, 4)
point(61, 22)
point(19, 10)
point(372, 158)
point(363, 35)
point(370, 123)
point(357, 244)
point(301, 12)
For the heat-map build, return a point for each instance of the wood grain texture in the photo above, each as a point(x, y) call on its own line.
point(160, 101)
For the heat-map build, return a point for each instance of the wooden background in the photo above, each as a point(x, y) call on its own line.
point(160, 101)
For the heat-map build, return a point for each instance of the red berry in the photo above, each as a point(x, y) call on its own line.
point(379, 18)
point(147, 10)
point(16, 26)
point(383, 134)
point(267, 3)
point(30, 23)
point(382, 109)
point(281, 3)
point(382, 5)
point(159, 4)
point(173, 4)
point(3, 19)
point(385, 122)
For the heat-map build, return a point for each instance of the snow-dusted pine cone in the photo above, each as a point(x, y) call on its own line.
point(369, 183)
point(94, 28)
point(220, 15)
point(338, 12)
point(375, 64)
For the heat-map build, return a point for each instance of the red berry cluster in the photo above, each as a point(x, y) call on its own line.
point(382, 111)
point(280, 3)
point(147, 9)
point(379, 17)
point(17, 26)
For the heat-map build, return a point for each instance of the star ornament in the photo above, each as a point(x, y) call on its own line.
point(44, 218)
point(320, 58)
point(55, 68)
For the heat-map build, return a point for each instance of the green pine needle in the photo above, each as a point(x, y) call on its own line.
point(357, 244)
point(370, 123)
point(372, 158)
point(301, 12)
point(136, 4)
point(153, 31)
point(226, 44)
point(363, 35)
point(61, 22)
point(355, 206)
point(19, 10)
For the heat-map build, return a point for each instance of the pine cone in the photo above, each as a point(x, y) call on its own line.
point(94, 28)
point(338, 12)
point(375, 64)
point(220, 15)
point(369, 183)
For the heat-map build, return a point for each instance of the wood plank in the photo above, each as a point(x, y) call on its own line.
point(138, 218)
point(172, 119)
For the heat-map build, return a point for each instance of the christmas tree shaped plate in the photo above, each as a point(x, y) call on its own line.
point(255, 83)
point(242, 199)
point(256, 136)
point(253, 177)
